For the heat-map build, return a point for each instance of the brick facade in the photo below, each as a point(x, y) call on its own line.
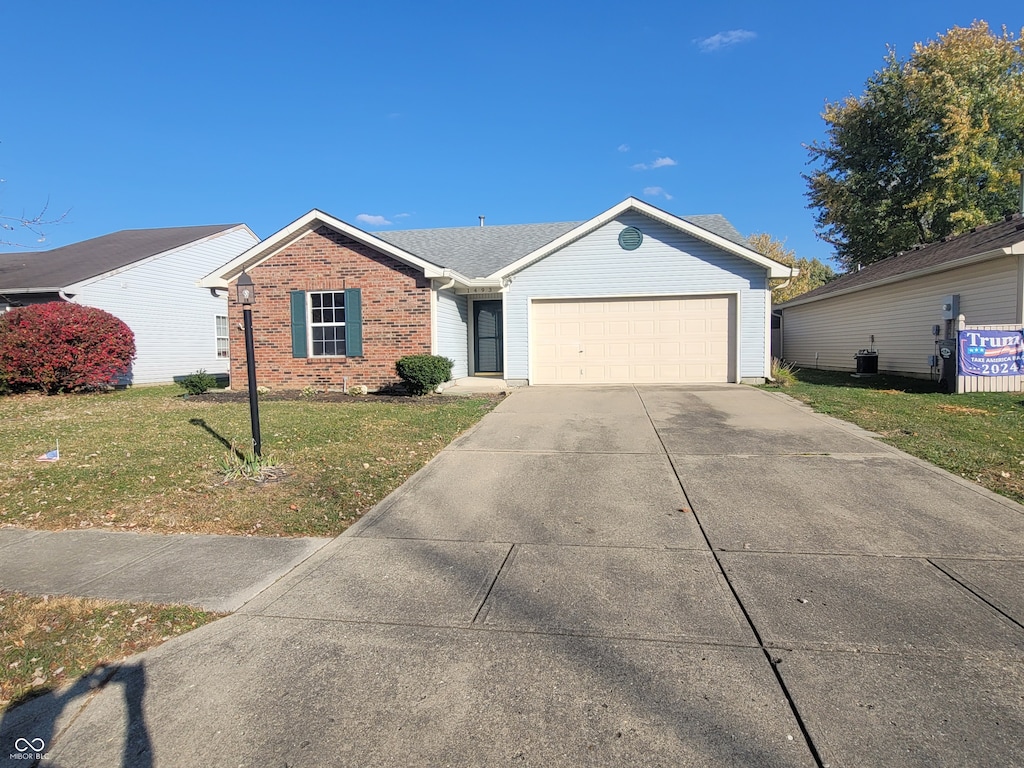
point(396, 314)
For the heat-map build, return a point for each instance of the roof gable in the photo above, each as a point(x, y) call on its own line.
point(1003, 238)
point(298, 229)
point(727, 238)
point(54, 270)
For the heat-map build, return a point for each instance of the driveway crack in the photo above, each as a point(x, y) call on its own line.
point(481, 614)
point(770, 654)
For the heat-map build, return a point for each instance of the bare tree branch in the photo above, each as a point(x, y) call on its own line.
point(36, 224)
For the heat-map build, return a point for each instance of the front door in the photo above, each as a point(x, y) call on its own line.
point(487, 345)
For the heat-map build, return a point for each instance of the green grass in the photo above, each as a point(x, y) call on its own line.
point(48, 641)
point(149, 459)
point(979, 436)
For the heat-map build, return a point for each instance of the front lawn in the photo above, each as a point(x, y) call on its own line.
point(46, 642)
point(149, 459)
point(979, 436)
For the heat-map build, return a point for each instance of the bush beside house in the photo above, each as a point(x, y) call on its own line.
point(63, 347)
point(423, 374)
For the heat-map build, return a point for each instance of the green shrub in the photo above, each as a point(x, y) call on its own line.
point(199, 382)
point(423, 373)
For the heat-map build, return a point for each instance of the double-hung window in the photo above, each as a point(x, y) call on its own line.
point(327, 323)
point(223, 347)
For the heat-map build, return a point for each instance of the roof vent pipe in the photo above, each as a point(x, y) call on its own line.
point(481, 220)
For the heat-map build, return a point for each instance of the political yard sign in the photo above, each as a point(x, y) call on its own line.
point(991, 353)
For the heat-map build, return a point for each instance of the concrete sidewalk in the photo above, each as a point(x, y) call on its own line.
point(218, 573)
point(617, 576)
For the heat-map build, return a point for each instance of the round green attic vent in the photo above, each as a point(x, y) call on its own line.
point(630, 238)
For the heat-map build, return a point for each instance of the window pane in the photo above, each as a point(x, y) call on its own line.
point(222, 326)
point(327, 323)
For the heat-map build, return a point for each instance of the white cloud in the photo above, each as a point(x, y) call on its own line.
point(623, 147)
point(724, 40)
point(401, 216)
point(661, 162)
point(369, 218)
point(657, 192)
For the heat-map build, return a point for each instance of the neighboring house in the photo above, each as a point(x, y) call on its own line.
point(634, 295)
point(902, 306)
point(149, 278)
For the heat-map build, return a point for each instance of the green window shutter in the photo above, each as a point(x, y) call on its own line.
point(298, 299)
point(353, 322)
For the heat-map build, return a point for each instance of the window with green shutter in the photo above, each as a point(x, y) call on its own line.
point(327, 323)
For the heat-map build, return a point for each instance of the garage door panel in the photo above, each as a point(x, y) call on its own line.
point(657, 340)
point(671, 350)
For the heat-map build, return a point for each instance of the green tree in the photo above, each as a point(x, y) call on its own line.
point(933, 147)
point(813, 273)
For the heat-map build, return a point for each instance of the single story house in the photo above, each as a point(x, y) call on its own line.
point(633, 295)
point(149, 278)
point(903, 306)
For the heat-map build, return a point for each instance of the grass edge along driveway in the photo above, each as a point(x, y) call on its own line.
point(978, 436)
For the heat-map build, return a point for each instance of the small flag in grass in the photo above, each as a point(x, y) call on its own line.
point(53, 455)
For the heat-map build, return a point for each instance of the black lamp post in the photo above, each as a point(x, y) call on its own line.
point(247, 297)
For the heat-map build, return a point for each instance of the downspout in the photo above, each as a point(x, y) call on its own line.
point(64, 296)
point(793, 272)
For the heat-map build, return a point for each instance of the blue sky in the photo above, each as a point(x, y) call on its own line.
point(429, 114)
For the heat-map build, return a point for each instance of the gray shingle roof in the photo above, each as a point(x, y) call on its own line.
point(70, 264)
point(721, 226)
point(978, 241)
point(482, 251)
point(476, 251)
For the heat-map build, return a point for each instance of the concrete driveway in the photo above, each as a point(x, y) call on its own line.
point(704, 576)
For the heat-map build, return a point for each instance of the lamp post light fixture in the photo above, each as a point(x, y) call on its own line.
point(247, 297)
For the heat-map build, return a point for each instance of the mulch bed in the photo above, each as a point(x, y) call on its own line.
point(389, 396)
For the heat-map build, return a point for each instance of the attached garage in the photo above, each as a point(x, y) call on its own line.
point(637, 296)
point(633, 340)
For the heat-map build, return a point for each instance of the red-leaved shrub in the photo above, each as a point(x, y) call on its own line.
point(62, 346)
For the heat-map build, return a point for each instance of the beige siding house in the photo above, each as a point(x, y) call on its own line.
point(896, 307)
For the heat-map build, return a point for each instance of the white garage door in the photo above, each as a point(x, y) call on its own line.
point(633, 341)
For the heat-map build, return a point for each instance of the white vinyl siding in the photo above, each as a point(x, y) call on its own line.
point(669, 262)
point(900, 316)
point(452, 318)
point(159, 299)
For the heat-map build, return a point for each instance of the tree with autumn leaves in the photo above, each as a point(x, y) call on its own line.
point(933, 147)
point(811, 272)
